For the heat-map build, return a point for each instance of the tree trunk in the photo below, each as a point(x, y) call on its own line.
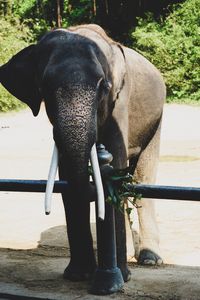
point(59, 17)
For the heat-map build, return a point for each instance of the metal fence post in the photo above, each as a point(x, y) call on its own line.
point(108, 278)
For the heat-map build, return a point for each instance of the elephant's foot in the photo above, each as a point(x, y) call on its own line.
point(75, 272)
point(126, 273)
point(149, 258)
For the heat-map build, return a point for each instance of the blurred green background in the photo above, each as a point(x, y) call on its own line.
point(166, 32)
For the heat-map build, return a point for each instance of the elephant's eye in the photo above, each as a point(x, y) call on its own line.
point(103, 88)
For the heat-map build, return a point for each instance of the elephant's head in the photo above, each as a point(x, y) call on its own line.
point(72, 75)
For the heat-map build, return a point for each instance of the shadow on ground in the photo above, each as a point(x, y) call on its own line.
point(38, 273)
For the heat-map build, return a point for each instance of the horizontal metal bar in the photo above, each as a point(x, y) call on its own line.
point(166, 192)
point(35, 186)
point(147, 191)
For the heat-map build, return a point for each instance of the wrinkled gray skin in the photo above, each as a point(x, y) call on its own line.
point(87, 82)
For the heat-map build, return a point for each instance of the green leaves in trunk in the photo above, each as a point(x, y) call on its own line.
point(116, 184)
point(118, 193)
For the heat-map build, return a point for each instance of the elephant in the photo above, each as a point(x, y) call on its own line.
point(95, 90)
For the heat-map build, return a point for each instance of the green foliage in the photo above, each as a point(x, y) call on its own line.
point(13, 37)
point(79, 12)
point(120, 189)
point(173, 45)
point(39, 15)
point(6, 7)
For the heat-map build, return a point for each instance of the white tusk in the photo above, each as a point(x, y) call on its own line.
point(51, 178)
point(98, 182)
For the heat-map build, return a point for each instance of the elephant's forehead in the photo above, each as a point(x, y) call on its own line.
point(65, 30)
point(92, 35)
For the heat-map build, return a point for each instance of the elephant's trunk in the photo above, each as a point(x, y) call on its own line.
point(75, 128)
point(75, 134)
point(97, 179)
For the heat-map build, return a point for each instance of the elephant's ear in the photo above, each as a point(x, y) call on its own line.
point(118, 70)
point(18, 77)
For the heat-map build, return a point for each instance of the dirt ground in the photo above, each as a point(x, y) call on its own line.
point(35, 268)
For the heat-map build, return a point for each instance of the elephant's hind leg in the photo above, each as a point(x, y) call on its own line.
point(149, 252)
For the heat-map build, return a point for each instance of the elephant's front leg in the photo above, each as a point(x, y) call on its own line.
point(115, 141)
point(121, 245)
point(77, 209)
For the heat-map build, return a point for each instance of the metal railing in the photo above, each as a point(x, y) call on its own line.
point(147, 191)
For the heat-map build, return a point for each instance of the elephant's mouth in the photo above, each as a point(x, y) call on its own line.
point(96, 175)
